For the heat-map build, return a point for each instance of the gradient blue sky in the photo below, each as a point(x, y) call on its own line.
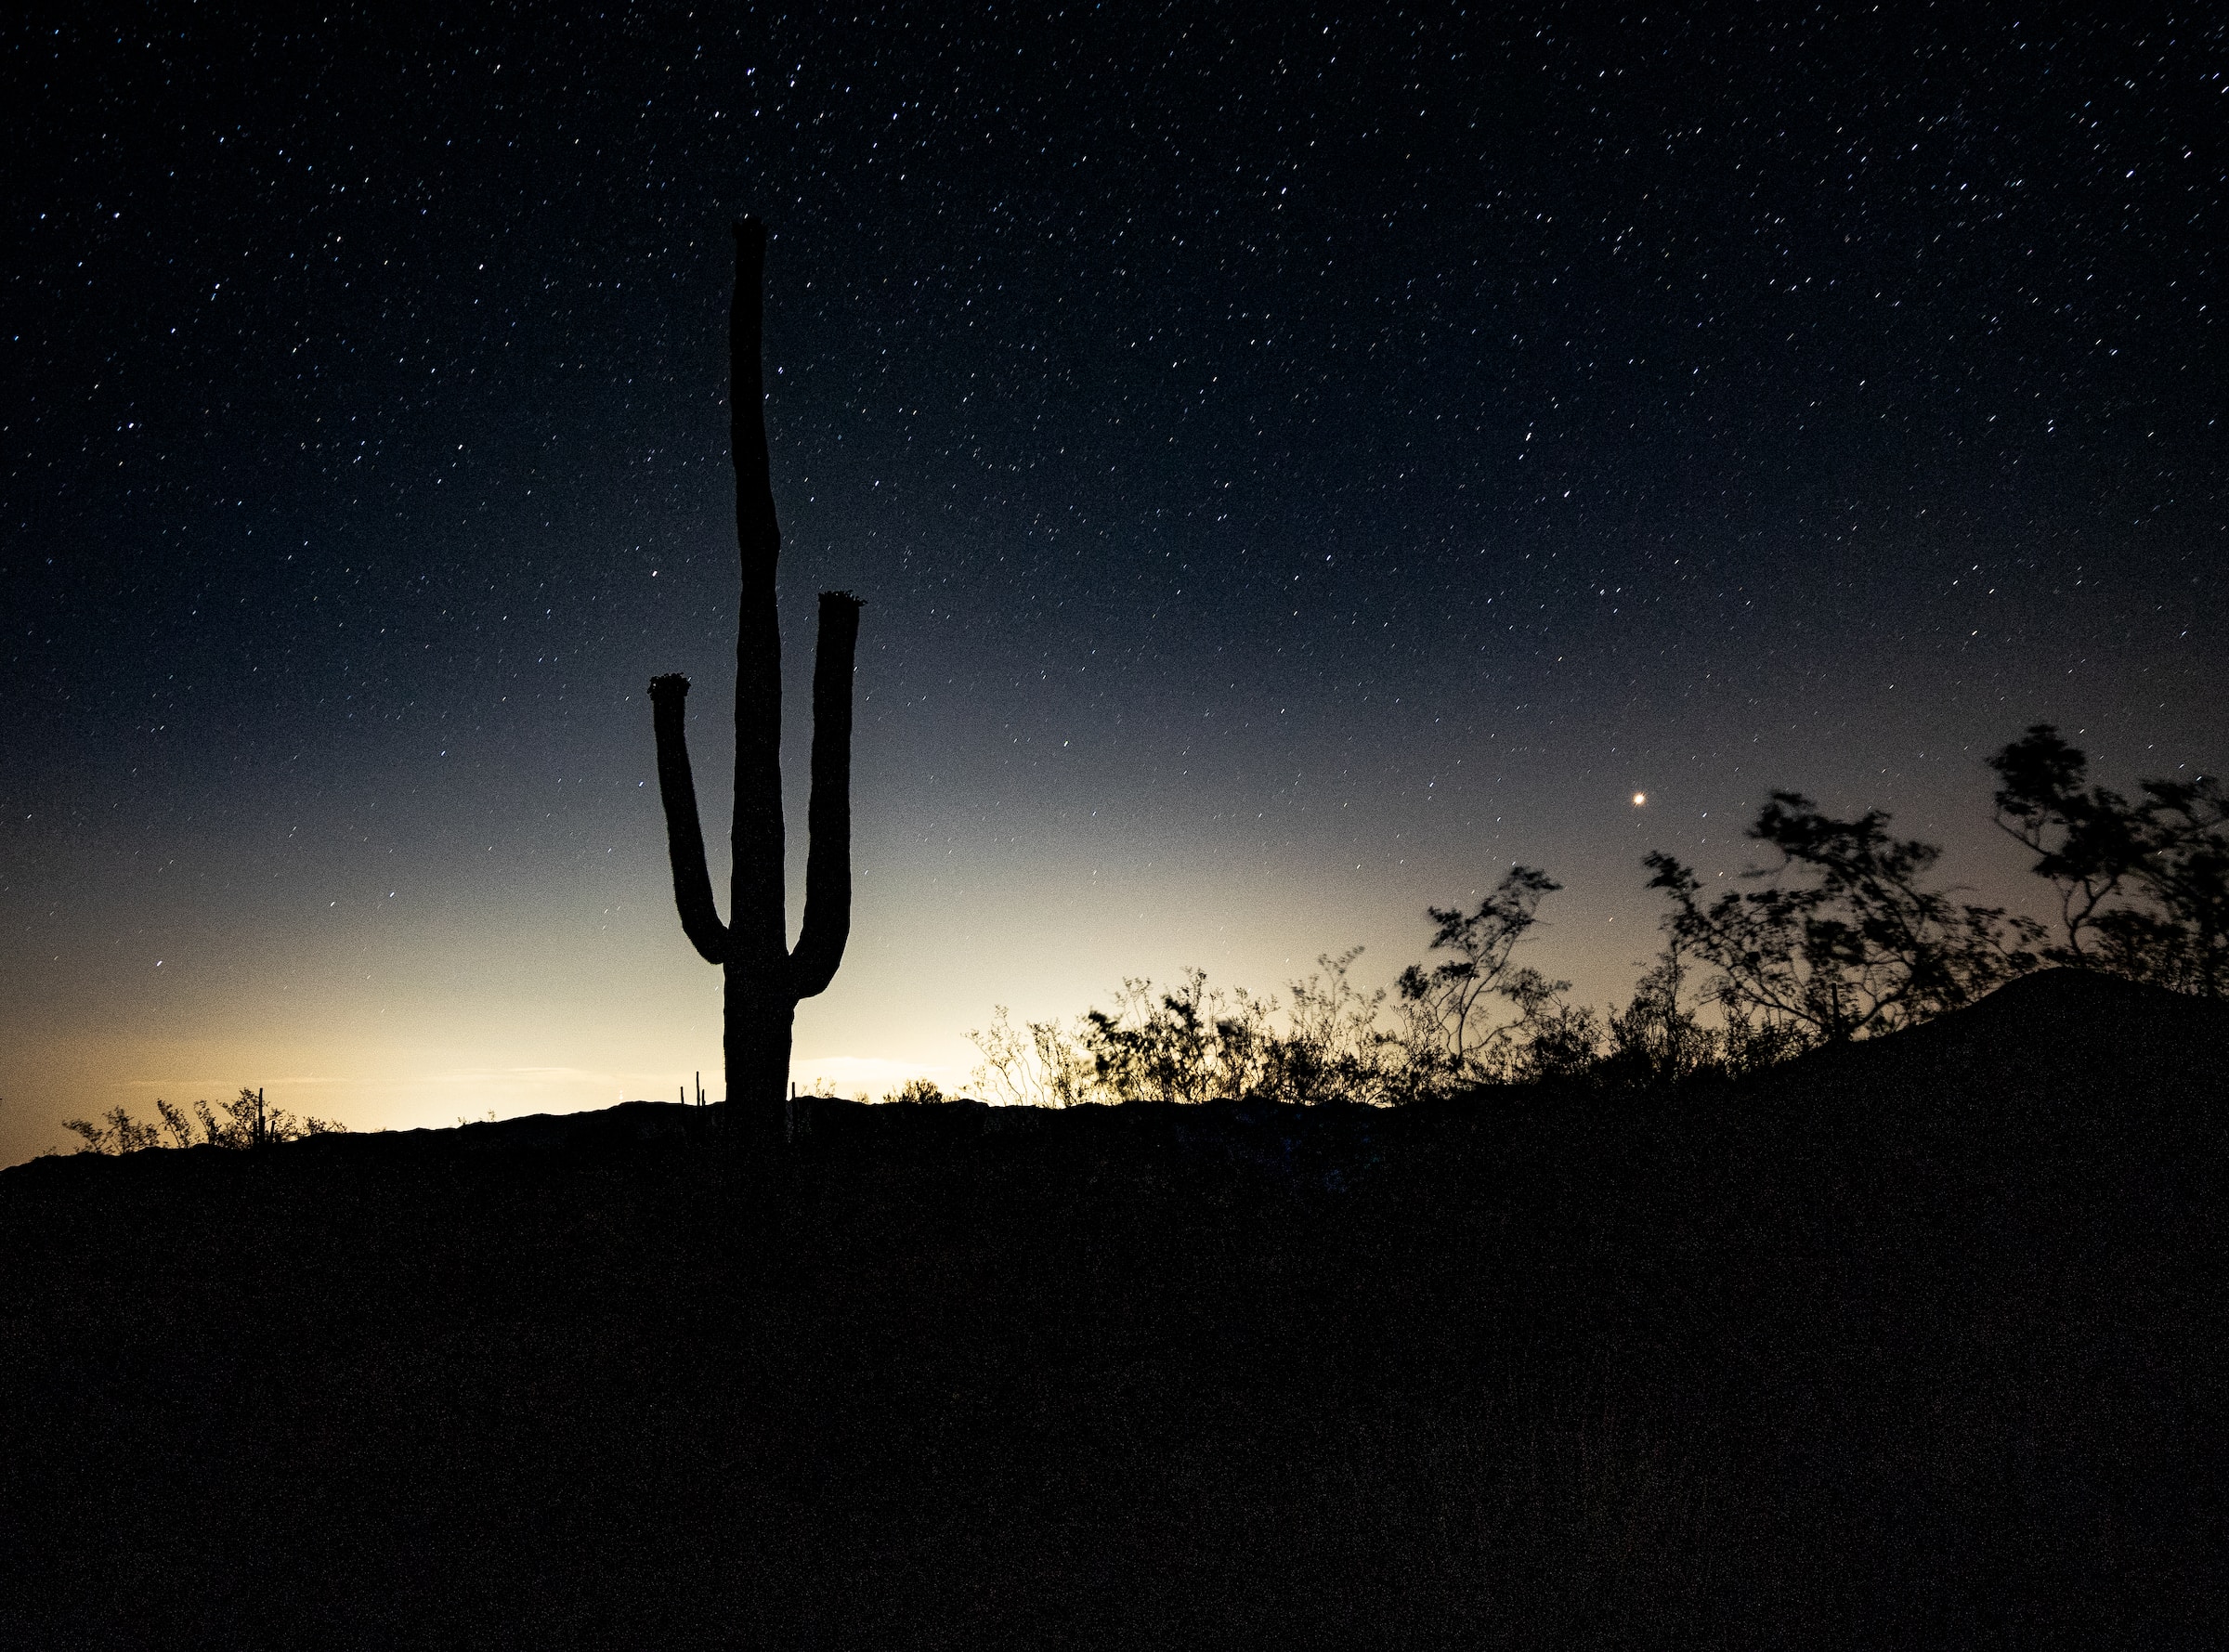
point(1295, 462)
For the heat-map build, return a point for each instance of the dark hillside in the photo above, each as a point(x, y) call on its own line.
point(1909, 1343)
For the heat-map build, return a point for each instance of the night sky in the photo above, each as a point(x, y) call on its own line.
point(1295, 467)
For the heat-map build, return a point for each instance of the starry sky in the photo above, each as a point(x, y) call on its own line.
point(1297, 461)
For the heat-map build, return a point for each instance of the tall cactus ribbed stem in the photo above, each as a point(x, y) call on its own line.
point(764, 977)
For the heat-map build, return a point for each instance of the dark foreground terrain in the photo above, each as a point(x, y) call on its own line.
point(1911, 1344)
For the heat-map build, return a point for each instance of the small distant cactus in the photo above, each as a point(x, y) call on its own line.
point(764, 977)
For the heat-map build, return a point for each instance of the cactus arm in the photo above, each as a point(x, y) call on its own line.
point(684, 835)
point(828, 923)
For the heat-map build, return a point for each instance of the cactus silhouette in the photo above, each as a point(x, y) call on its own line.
point(764, 977)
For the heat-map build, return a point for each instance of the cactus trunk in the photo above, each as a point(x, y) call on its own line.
point(764, 977)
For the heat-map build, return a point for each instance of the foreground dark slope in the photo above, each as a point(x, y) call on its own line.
point(1909, 1343)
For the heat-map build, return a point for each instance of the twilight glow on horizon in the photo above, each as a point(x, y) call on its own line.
point(1295, 463)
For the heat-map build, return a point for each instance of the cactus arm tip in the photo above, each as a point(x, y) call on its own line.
point(828, 921)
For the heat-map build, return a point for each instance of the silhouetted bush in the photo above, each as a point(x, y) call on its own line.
point(1175, 1045)
point(1451, 1038)
point(246, 1122)
point(1843, 939)
point(2143, 886)
point(1856, 945)
point(1657, 1039)
point(1043, 1069)
point(916, 1090)
point(1194, 1043)
point(1862, 947)
point(1334, 1050)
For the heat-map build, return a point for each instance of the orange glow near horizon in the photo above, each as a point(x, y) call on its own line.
point(494, 985)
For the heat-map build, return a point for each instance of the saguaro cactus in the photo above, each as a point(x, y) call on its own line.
point(764, 977)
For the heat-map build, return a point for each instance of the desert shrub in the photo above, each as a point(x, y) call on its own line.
point(1844, 938)
point(1040, 1066)
point(1166, 1045)
point(1554, 1040)
point(1451, 1036)
point(1192, 1042)
point(2143, 885)
point(1563, 1046)
point(1333, 1048)
point(116, 1132)
point(1750, 1044)
point(1326, 1043)
point(243, 1121)
point(1658, 1039)
point(1858, 947)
